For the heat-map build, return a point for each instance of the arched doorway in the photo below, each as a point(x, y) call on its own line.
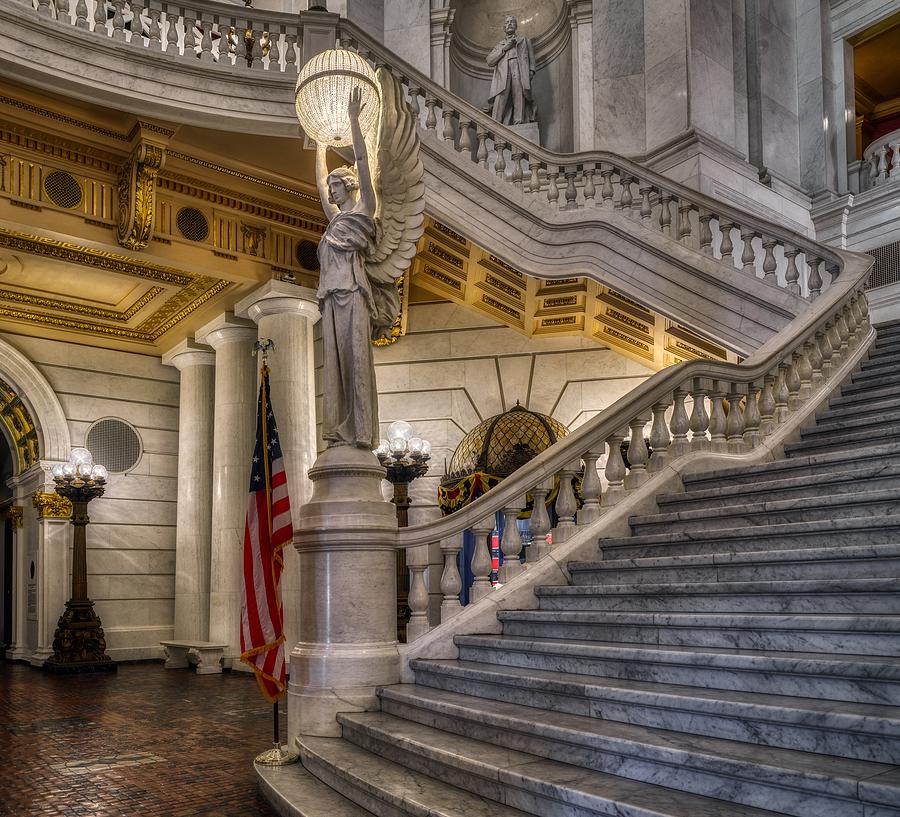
point(7, 519)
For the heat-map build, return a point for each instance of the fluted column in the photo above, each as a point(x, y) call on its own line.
point(193, 533)
point(285, 313)
point(234, 420)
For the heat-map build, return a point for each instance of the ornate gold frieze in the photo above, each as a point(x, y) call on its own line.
point(81, 309)
point(451, 234)
point(26, 140)
point(439, 252)
point(633, 342)
point(562, 300)
point(506, 266)
point(137, 195)
point(495, 304)
point(494, 281)
point(18, 420)
point(567, 320)
point(438, 275)
point(254, 237)
point(15, 514)
point(59, 117)
point(51, 505)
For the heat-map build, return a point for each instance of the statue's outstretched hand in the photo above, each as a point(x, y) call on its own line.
point(355, 106)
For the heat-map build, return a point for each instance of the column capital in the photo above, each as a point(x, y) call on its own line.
point(277, 298)
point(189, 353)
point(226, 328)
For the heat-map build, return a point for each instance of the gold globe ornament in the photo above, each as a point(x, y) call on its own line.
point(323, 91)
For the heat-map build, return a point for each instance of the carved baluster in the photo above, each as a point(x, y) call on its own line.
point(99, 17)
point(482, 561)
point(118, 21)
point(465, 136)
point(834, 340)
point(171, 32)
point(511, 545)
point(571, 192)
point(748, 254)
point(850, 320)
point(752, 418)
point(590, 189)
point(451, 582)
point(665, 213)
point(449, 115)
point(843, 332)
point(517, 174)
point(274, 52)
point(552, 188)
point(430, 117)
point(44, 8)
point(256, 53)
point(717, 419)
point(500, 163)
point(782, 394)
point(767, 406)
point(606, 188)
point(566, 506)
point(814, 355)
point(726, 248)
point(834, 270)
point(769, 262)
point(626, 199)
point(481, 154)
point(734, 424)
point(290, 65)
point(706, 233)
point(539, 524)
point(155, 41)
point(825, 350)
point(534, 183)
point(814, 279)
point(791, 273)
point(614, 471)
point(81, 15)
point(590, 489)
point(680, 424)
point(805, 371)
point(62, 11)
point(205, 27)
point(685, 228)
point(190, 41)
point(417, 600)
point(659, 438)
point(137, 23)
point(646, 208)
point(699, 418)
point(792, 380)
point(638, 456)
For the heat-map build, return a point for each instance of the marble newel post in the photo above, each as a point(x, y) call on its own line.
point(234, 429)
point(194, 517)
point(285, 313)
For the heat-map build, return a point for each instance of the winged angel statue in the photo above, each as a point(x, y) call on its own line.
point(375, 217)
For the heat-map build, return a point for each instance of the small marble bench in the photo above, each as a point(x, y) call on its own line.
point(206, 656)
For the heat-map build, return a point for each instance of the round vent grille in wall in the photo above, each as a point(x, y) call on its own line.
point(307, 254)
point(192, 223)
point(115, 444)
point(63, 189)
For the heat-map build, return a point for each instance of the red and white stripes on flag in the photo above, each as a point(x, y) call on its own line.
point(268, 529)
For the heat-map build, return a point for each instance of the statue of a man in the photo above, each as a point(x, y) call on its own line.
point(513, 62)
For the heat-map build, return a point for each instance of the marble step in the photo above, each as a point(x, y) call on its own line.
point(842, 440)
point(803, 509)
point(389, 789)
point(293, 792)
point(861, 731)
point(883, 530)
point(875, 369)
point(537, 785)
point(859, 480)
point(853, 562)
point(874, 423)
point(796, 467)
point(857, 678)
point(876, 377)
point(852, 635)
point(852, 395)
point(786, 781)
point(877, 408)
point(877, 390)
point(878, 596)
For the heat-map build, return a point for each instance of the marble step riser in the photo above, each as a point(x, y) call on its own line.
point(799, 640)
point(776, 571)
point(763, 680)
point(729, 544)
point(735, 722)
point(876, 409)
point(727, 518)
point(880, 389)
point(806, 448)
point(791, 794)
point(805, 489)
point(851, 395)
point(531, 802)
point(872, 424)
point(885, 375)
point(797, 603)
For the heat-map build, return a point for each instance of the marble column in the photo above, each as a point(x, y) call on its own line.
point(581, 21)
point(193, 536)
point(285, 313)
point(233, 434)
point(441, 34)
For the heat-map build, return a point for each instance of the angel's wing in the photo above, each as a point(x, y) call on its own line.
point(399, 185)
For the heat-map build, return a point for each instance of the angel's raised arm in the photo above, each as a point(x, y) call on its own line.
point(331, 210)
point(366, 187)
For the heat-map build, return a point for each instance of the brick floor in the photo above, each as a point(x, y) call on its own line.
point(144, 741)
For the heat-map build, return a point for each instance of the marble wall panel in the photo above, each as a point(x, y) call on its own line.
point(711, 22)
point(667, 99)
point(515, 379)
point(712, 97)
point(137, 512)
point(138, 486)
point(619, 111)
point(778, 63)
point(104, 384)
point(140, 414)
point(618, 38)
point(781, 139)
point(665, 26)
point(124, 536)
point(124, 614)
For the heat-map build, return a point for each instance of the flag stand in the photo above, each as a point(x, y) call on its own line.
point(278, 755)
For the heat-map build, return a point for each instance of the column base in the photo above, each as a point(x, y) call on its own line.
point(79, 643)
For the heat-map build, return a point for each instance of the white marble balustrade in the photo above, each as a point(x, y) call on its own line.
point(882, 159)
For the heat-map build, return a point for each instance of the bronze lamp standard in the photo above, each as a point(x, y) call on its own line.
point(79, 644)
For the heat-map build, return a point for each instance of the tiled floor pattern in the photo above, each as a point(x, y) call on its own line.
point(142, 742)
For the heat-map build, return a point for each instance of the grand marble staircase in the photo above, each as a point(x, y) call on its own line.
point(738, 655)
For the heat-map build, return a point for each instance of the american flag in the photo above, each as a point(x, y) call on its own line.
point(268, 529)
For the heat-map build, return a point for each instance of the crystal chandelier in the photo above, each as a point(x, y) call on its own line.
point(323, 91)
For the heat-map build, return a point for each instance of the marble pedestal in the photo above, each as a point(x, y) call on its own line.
point(348, 623)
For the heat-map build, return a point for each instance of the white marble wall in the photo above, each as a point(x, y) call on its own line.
point(407, 31)
point(131, 538)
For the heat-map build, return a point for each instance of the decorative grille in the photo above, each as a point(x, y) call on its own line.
point(192, 224)
point(887, 266)
point(63, 189)
point(307, 254)
point(115, 444)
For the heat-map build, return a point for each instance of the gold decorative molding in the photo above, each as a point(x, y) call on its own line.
point(137, 195)
point(59, 117)
point(51, 505)
point(16, 515)
point(81, 309)
point(254, 237)
point(15, 416)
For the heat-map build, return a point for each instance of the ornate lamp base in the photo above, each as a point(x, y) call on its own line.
point(277, 756)
point(79, 644)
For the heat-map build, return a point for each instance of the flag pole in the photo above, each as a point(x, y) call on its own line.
point(278, 755)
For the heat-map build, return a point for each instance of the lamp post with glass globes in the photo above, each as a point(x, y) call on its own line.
point(79, 644)
point(405, 458)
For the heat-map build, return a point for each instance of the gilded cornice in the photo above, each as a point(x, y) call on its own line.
point(181, 305)
point(63, 118)
point(30, 141)
point(82, 309)
point(51, 505)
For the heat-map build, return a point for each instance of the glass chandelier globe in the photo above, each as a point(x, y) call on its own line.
point(323, 91)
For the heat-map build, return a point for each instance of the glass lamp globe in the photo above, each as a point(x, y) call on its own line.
point(80, 455)
point(68, 470)
point(83, 469)
point(401, 429)
point(398, 445)
point(57, 471)
point(323, 91)
point(415, 445)
point(426, 448)
point(99, 473)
